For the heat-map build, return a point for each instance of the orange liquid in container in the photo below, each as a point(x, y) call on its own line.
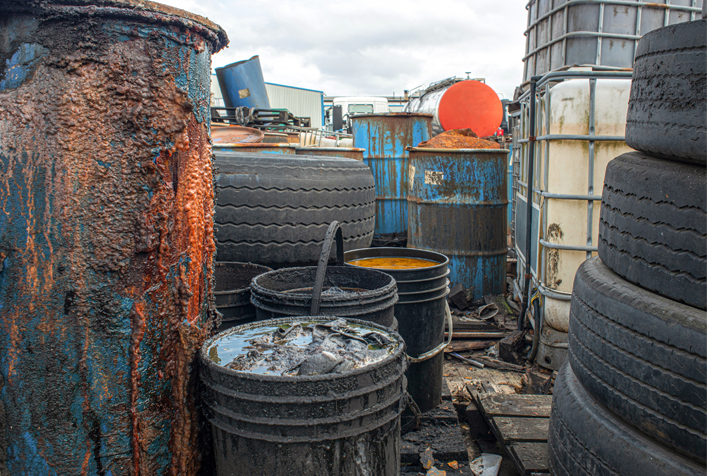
point(389, 262)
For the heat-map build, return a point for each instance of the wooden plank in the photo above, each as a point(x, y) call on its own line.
point(465, 346)
point(476, 335)
point(522, 429)
point(529, 457)
point(474, 326)
point(517, 405)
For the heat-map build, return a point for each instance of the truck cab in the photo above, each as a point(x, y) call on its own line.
point(337, 116)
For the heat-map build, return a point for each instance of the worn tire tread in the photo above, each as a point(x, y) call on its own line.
point(586, 439)
point(667, 112)
point(653, 226)
point(641, 355)
point(275, 210)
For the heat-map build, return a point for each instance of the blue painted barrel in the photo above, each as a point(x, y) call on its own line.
point(106, 236)
point(385, 138)
point(242, 84)
point(457, 206)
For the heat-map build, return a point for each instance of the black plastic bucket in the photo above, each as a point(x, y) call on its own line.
point(333, 424)
point(420, 312)
point(232, 292)
point(288, 292)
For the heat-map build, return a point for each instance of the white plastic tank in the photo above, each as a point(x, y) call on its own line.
point(569, 178)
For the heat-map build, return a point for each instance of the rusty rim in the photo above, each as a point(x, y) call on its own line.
point(140, 10)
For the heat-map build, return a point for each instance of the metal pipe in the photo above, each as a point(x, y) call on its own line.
point(529, 213)
point(536, 332)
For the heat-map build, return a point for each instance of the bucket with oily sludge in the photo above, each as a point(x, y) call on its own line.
point(421, 277)
point(232, 292)
point(345, 291)
point(305, 395)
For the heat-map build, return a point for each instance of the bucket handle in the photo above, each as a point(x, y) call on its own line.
point(334, 230)
point(428, 355)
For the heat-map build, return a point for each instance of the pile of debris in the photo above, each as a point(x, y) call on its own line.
point(459, 139)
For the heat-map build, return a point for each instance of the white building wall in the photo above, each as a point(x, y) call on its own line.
point(216, 96)
point(300, 102)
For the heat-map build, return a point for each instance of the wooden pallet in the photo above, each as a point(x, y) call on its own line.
point(520, 423)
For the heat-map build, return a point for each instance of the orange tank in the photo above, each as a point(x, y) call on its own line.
point(460, 105)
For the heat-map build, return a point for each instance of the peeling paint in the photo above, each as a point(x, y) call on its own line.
point(385, 138)
point(459, 210)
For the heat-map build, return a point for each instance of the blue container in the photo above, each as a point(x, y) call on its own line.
point(385, 138)
point(457, 207)
point(106, 237)
point(242, 84)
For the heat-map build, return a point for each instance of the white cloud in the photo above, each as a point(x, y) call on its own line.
point(372, 47)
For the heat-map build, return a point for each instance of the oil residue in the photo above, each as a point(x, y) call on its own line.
point(303, 348)
point(393, 262)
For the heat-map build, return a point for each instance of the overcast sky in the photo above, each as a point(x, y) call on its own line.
point(372, 47)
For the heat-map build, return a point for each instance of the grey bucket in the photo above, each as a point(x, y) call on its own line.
point(232, 292)
point(420, 313)
point(334, 424)
point(290, 291)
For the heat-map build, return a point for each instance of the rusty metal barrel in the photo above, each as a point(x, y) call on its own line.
point(385, 138)
point(106, 235)
point(457, 206)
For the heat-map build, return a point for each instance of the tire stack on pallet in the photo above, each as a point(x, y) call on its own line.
point(632, 399)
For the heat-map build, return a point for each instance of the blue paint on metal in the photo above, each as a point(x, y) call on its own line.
point(457, 207)
point(21, 65)
point(79, 357)
point(242, 84)
point(385, 138)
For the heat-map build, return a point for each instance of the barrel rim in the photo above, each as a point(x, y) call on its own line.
point(393, 114)
point(456, 151)
point(206, 361)
point(257, 145)
point(131, 8)
point(230, 158)
point(334, 149)
point(397, 249)
point(382, 292)
point(231, 291)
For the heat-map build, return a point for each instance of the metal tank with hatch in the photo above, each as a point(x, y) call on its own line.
point(598, 32)
point(457, 207)
point(457, 104)
point(106, 236)
point(385, 138)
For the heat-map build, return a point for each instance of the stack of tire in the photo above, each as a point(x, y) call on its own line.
point(632, 399)
point(274, 209)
